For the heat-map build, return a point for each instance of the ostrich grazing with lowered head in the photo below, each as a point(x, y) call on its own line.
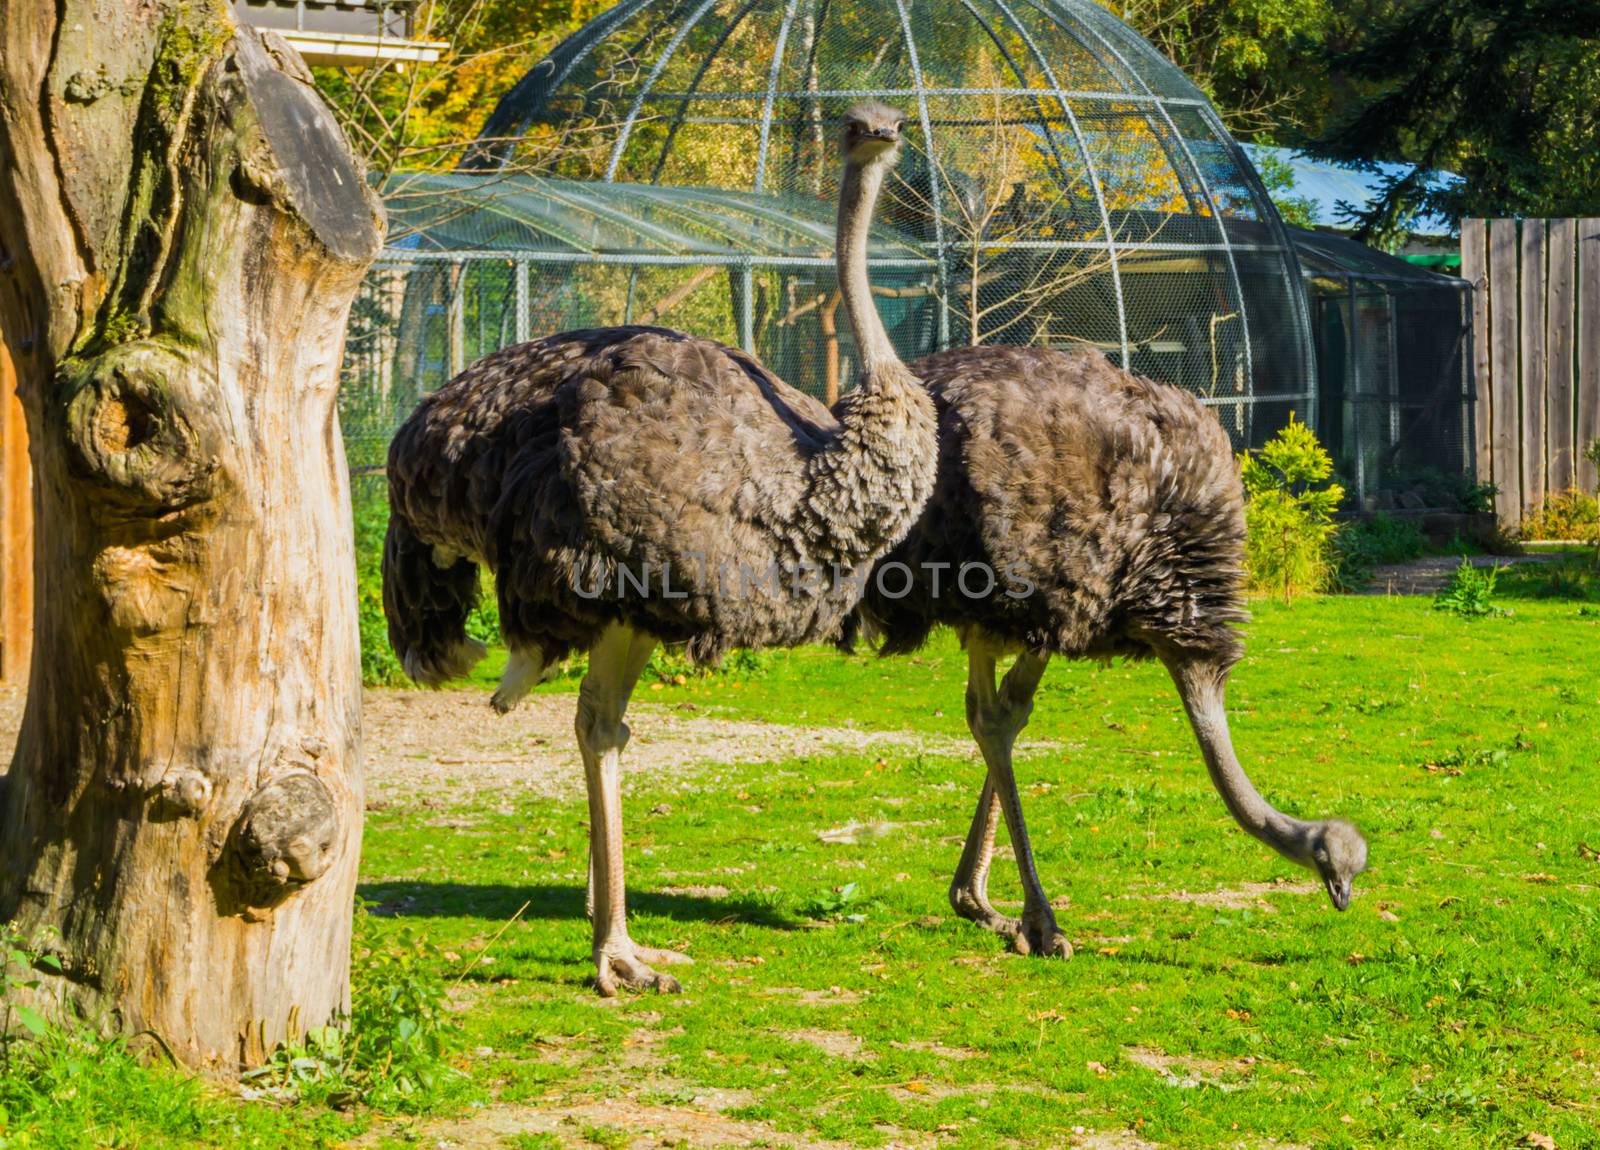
point(1109, 508)
point(633, 485)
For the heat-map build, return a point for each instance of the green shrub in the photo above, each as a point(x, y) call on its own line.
point(1470, 592)
point(1571, 515)
point(370, 507)
point(1289, 506)
point(392, 1055)
point(379, 667)
point(1368, 543)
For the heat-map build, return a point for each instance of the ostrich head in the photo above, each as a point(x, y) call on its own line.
point(1338, 853)
point(872, 132)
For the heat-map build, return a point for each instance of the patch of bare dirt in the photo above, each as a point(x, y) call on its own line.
point(1190, 1071)
point(1246, 896)
point(835, 1043)
point(713, 891)
point(1430, 575)
point(643, 1124)
point(450, 742)
point(954, 1053)
point(1110, 1140)
point(832, 996)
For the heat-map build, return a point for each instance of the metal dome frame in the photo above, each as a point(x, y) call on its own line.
point(648, 142)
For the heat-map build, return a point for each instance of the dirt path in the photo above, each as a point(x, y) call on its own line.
point(450, 742)
point(1428, 576)
point(450, 745)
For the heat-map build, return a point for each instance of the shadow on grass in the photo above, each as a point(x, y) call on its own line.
point(551, 901)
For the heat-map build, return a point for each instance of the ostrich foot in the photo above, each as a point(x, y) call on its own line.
point(1034, 933)
point(629, 965)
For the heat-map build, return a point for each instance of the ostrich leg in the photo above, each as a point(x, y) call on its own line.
point(995, 718)
point(615, 663)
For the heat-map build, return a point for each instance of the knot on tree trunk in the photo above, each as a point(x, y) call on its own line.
point(287, 836)
point(183, 793)
point(127, 433)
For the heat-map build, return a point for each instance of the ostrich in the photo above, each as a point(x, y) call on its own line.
point(1095, 513)
point(634, 485)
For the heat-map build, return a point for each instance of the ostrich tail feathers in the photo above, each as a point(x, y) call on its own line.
point(427, 597)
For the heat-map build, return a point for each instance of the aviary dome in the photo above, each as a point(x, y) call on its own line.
point(1064, 182)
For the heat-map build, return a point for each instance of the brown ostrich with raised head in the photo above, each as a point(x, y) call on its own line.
point(1109, 511)
point(633, 485)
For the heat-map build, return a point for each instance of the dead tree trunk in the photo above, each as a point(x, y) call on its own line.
point(182, 229)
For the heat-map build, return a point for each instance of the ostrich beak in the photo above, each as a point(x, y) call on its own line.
point(1339, 890)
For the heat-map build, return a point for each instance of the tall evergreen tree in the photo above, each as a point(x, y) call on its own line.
point(1504, 92)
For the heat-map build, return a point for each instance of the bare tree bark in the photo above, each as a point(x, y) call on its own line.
point(182, 230)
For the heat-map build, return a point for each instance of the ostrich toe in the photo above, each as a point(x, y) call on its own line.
point(1038, 935)
point(631, 968)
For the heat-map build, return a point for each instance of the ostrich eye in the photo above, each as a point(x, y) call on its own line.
point(899, 124)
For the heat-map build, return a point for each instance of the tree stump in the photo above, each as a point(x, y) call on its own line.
point(182, 231)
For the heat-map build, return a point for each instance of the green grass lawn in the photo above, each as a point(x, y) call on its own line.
point(1215, 998)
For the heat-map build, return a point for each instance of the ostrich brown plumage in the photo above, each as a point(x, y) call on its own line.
point(1109, 510)
point(633, 485)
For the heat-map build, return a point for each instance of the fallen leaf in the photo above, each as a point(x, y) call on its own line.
point(1388, 916)
point(1098, 1067)
point(1542, 1141)
point(1540, 876)
point(1356, 959)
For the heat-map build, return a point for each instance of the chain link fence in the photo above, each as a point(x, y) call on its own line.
point(1395, 348)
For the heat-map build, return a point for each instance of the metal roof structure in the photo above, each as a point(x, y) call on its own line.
point(552, 219)
point(676, 162)
point(343, 33)
point(1037, 130)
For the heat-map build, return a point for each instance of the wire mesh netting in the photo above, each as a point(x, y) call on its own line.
point(674, 162)
point(1394, 344)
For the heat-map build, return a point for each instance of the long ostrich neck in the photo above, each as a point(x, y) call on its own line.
point(857, 198)
point(867, 486)
point(1201, 686)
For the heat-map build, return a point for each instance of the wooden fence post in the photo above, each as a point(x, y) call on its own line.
point(1533, 364)
point(1560, 320)
point(1503, 297)
point(1474, 271)
point(1588, 348)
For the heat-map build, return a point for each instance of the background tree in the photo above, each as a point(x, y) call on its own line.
point(424, 116)
point(1246, 55)
point(1504, 92)
point(182, 229)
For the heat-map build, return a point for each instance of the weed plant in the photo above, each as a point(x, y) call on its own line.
point(1470, 592)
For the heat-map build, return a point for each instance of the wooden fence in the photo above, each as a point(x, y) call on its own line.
point(16, 532)
point(1536, 355)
